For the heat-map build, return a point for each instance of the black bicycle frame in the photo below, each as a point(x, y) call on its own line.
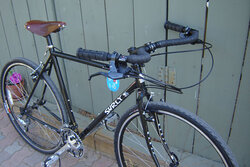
point(109, 109)
point(52, 61)
point(138, 84)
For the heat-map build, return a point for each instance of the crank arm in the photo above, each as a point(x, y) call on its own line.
point(55, 157)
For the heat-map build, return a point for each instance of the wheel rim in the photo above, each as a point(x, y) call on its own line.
point(35, 132)
point(195, 151)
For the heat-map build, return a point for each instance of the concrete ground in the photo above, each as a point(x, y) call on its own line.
point(15, 152)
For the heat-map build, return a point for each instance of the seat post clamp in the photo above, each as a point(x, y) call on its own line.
point(50, 46)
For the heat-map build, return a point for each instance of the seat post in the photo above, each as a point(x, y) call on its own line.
point(49, 42)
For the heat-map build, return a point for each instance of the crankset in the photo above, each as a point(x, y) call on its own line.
point(72, 144)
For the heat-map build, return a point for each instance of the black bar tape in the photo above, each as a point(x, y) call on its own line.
point(192, 37)
point(91, 54)
point(173, 26)
point(141, 56)
point(180, 41)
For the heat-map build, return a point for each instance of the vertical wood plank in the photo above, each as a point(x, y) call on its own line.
point(5, 54)
point(51, 16)
point(26, 38)
point(10, 29)
point(218, 93)
point(186, 65)
point(71, 38)
point(240, 133)
point(94, 24)
point(120, 37)
point(37, 11)
point(149, 18)
point(50, 9)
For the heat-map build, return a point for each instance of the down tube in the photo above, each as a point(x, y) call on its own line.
point(109, 109)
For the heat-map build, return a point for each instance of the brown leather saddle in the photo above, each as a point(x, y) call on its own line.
point(44, 28)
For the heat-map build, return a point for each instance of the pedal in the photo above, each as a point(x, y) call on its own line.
point(73, 145)
point(50, 160)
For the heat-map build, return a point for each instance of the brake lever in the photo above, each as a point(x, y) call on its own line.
point(98, 73)
point(115, 75)
point(112, 74)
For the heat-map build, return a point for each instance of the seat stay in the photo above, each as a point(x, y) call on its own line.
point(44, 28)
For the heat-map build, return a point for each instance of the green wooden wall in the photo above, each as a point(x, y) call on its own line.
point(115, 25)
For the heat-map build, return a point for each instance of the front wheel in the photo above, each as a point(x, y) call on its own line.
point(190, 140)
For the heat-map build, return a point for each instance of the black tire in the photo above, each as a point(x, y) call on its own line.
point(191, 139)
point(40, 124)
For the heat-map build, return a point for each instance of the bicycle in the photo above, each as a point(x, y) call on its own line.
point(146, 135)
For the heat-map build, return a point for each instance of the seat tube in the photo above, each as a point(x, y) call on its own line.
point(61, 82)
point(49, 42)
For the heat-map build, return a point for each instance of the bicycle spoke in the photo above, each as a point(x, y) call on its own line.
point(137, 156)
point(184, 150)
point(38, 122)
point(52, 114)
point(44, 123)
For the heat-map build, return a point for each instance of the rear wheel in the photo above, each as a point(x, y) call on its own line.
point(40, 122)
point(191, 141)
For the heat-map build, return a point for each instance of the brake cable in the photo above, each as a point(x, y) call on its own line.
point(207, 46)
